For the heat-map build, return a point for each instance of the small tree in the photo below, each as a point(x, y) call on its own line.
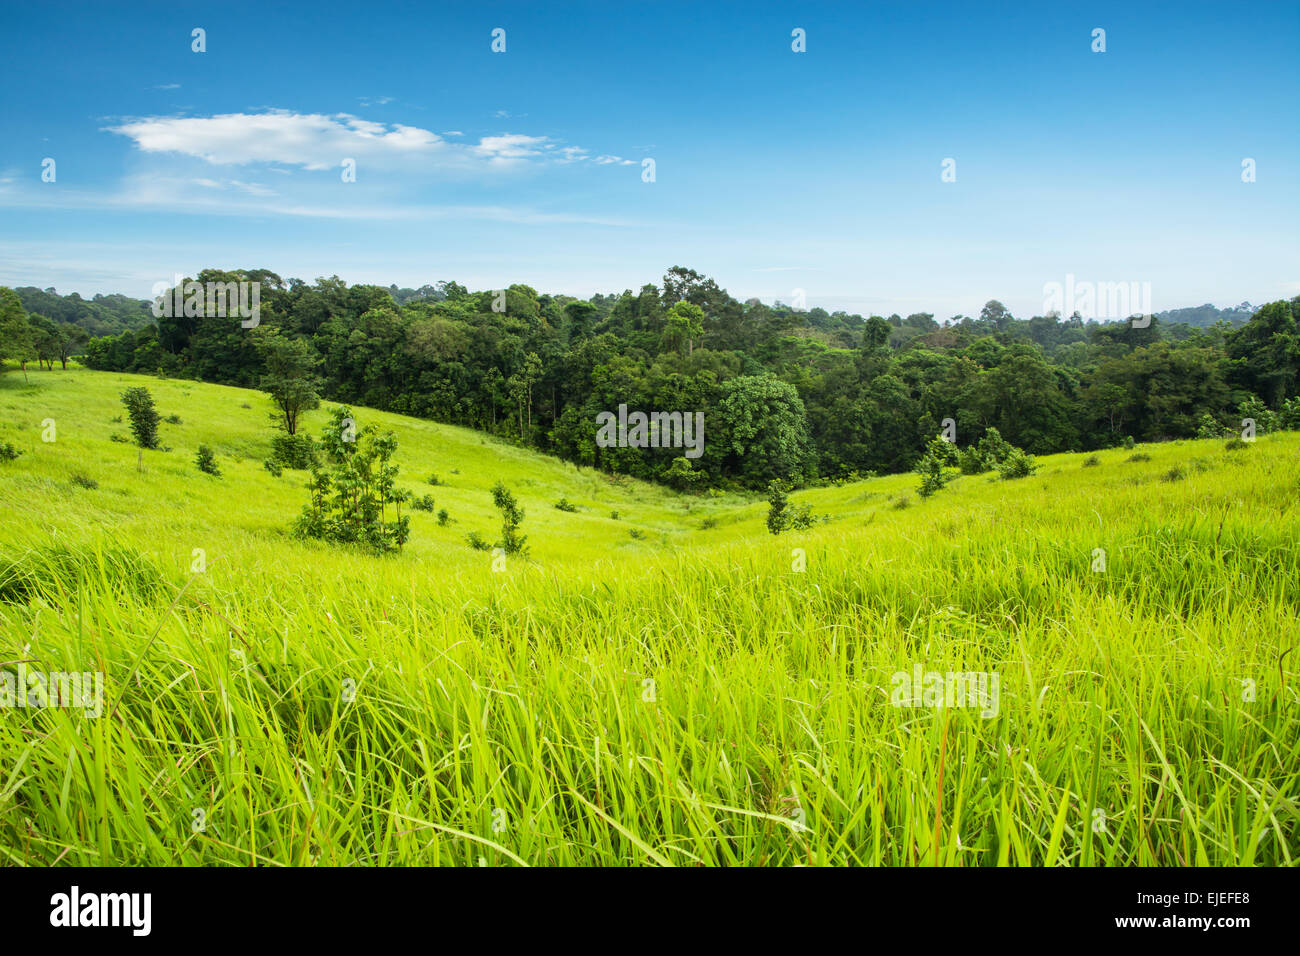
point(206, 461)
point(777, 503)
point(144, 417)
point(512, 542)
point(350, 498)
point(781, 515)
point(290, 377)
point(939, 454)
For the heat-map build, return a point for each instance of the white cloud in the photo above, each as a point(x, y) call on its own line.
point(310, 140)
point(317, 141)
point(168, 86)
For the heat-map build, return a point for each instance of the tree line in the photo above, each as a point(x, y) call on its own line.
point(788, 395)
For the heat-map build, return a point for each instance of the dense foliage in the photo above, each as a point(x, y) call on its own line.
point(787, 395)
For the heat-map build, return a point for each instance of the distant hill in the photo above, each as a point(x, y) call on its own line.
point(1204, 316)
point(102, 315)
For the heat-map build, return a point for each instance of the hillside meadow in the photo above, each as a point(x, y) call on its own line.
point(671, 686)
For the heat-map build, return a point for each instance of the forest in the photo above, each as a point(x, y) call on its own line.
point(801, 396)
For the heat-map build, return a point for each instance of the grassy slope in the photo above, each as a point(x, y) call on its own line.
point(507, 716)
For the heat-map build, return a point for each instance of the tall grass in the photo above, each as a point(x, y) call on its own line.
point(689, 699)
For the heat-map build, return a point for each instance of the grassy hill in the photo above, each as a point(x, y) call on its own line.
point(705, 692)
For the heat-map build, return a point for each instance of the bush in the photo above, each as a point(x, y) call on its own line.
point(119, 437)
point(476, 542)
point(938, 454)
point(1092, 461)
point(173, 419)
point(272, 466)
point(636, 533)
point(1128, 441)
point(512, 516)
point(1266, 420)
point(1017, 465)
point(144, 417)
point(709, 522)
point(1174, 474)
point(902, 503)
point(8, 452)
point(1209, 427)
point(423, 503)
point(434, 480)
point(1235, 444)
point(565, 505)
point(207, 461)
point(1140, 456)
point(443, 517)
point(349, 502)
point(294, 451)
point(614, 515)
point(84, 481)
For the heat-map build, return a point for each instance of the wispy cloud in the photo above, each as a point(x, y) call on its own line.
point(317, 141)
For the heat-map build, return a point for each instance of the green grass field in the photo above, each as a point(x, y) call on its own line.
point(704, 693)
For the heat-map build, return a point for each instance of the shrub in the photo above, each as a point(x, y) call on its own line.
point(1174, 474)
point(84, 481)
point(565, 505)
point(173, 419)
point(8, 452)
point(1209, 427)
point(781, 515)
point(476, 542)
point(1266, 420)
point(1092, 461)
point(119, 437)
point(272, 466)
point(144, 417)
point(433, 480)
point(443, 517)
point(512, 516)
point(423, 503)
point(1128, 441)
point(636, 533)
point(1017, 464)
point(938, 454)
point(681, 476)
point(709, 522)
point(1139, 456)
point(206, 461)
point(349, 501)
point(902, 503)
point(294, 451)
point(1235, 444)
point(614, 515)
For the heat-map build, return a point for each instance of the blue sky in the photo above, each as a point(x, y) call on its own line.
point(774, 170)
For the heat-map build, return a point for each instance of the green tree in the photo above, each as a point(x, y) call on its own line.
point(764, 431)
point(290, 377)
point(685, 325)
point(17, 337)
point(143, 415)
point(512, 516)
